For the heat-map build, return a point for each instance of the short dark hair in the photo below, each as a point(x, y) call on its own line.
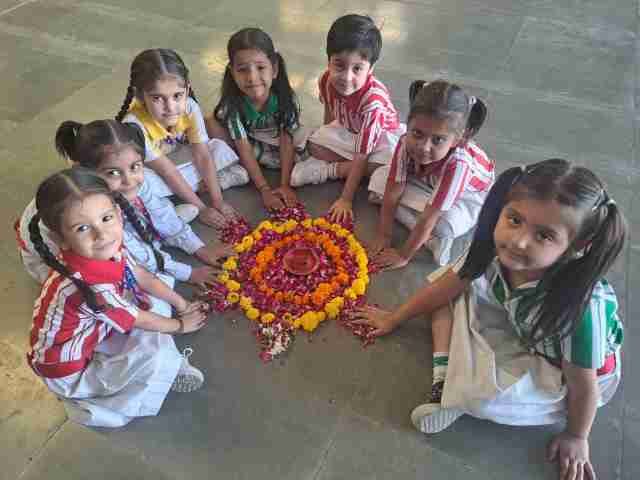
point(355, 33)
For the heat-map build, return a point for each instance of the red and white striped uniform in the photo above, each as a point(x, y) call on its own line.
point(365, 113)
point(65, 330)
point(467, 168)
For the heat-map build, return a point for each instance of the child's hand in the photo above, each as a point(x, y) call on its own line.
point(340, 211)
point(270, 200)
point(382, 320)
point(193, 306)
point(389, 259)
point(228, 212)
point(212, 217)
point(287, 194)
point(572, 454)
point(378, 245)
point(194, 318)
point(199, 275)
point(212, 254)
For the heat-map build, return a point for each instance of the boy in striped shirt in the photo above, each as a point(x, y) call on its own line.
point(361, 125)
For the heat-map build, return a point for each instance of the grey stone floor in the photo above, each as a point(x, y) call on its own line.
point(560, 78)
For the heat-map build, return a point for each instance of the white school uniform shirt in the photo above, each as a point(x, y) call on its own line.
point(65, 330)
point(365, 113)
point(160, 214)
point(466, 168)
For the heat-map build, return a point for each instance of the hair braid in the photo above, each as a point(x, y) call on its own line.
point(143, 231)
point(51, 260)
point(125, 104)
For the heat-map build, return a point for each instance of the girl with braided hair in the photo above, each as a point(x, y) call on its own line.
point(114, 151)
point(525, 328)
point(94, 341)
point(160, 100)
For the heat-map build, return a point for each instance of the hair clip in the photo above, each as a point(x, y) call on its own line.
point(472, 101)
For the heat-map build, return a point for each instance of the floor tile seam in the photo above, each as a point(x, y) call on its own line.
point(135, 17)
point(322, 460)
point(349, 410)
point(41, 450)
point(15, 7)
point(573, 22)
point(495, 86)
point(67, 47)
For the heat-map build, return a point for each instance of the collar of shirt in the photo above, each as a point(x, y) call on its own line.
point(95, 272)
point(353, 100)
point(503, 292)
point(253, 115)
point(154, 130)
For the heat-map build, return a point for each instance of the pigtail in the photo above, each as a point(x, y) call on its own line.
point(52, 261)
point(483, 248)
point(288, 104)
point(230, 99)
point(571, 286)
point(66, 137)
point(477, 117)
point(136, 135)
point(143, 231)
point(125, 104)
point(414, 88)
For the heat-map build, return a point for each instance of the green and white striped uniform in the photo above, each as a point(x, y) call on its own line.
point(243, 126)
point(598, 336)
point(260, 128)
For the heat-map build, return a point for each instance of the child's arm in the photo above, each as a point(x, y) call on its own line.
point(421, 232)
point(392, 193)
point(571, 447)
point(157, 288)
point(425, 301)
point(287, 158)
point(328, 116)
point(249, 161)
point(164, 167)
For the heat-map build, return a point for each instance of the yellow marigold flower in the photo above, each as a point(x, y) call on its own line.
point(247, 241)
point(279, 229)
point(359, 286)
point(230, 264)
point(239, 247)
point(319, 221)
point(309, 321)
point(307, 223)
point(257, 235)
point(349, 293)
point(265, 225)
point(232, 286)
point(332, 310)
point(343, 232)
point(252, 313)
point(233, 297)
point(267, 317)
point(287, 317)
point(245, 302)
point(321, 316)
point(223, 277)
point(339, 301)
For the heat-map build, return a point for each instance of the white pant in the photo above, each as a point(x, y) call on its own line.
point(222, 155)
point(341, 141)
point(490, 375)
point(129, 376)
point(456, 221)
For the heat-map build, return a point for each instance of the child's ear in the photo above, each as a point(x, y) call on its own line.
point(276, 69)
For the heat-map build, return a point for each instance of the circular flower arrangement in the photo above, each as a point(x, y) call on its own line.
point(292, 274)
